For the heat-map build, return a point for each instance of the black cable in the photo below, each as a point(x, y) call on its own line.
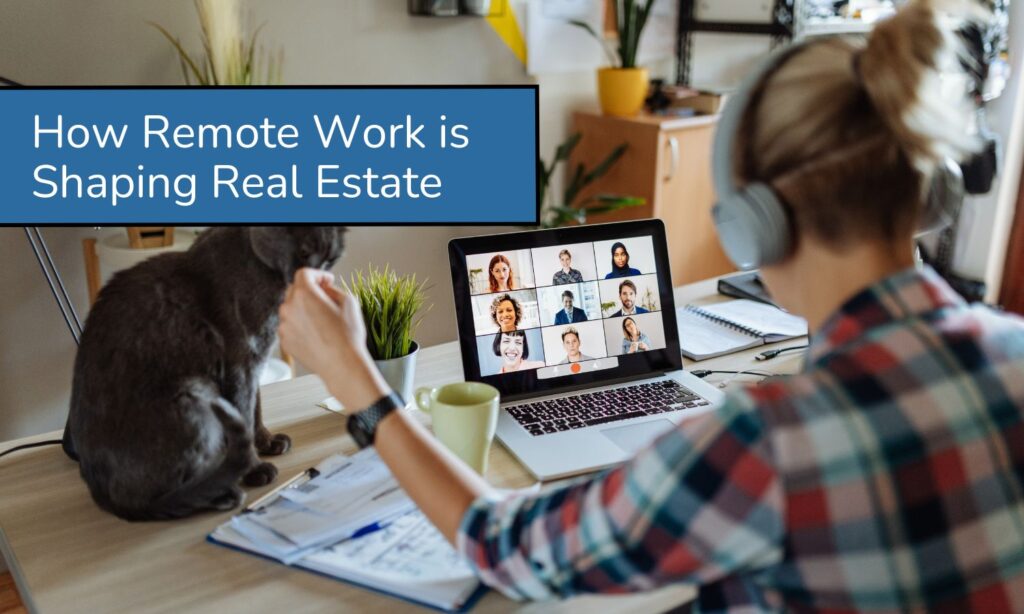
point(769, 354)
point(48, 442)
point(702, 373)
point(764, 375)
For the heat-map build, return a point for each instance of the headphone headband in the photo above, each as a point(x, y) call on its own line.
point(732, 116)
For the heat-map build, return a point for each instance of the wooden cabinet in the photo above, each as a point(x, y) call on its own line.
point(668, 163)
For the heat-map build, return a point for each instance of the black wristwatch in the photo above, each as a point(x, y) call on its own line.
point(363, 426)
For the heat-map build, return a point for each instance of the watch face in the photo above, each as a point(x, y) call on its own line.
point(363, 426)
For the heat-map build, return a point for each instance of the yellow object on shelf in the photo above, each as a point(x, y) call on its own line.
point(622, 91)
point(503, 20)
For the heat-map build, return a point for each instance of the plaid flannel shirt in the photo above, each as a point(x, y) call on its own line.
point(886, 477)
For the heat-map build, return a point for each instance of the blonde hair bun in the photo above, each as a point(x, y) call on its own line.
point(912, 69)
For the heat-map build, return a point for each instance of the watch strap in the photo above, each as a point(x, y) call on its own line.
point(363, 425)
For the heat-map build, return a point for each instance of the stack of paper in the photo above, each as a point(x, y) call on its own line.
point(351, 495)
point(353, 522)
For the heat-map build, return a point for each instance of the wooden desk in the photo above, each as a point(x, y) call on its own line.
point(68, 556)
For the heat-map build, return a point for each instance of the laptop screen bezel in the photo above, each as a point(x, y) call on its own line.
point(526, 384)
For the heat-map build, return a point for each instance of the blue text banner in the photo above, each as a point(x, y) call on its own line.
point(268, 155)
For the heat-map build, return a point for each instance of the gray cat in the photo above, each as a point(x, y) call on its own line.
point(165, 410)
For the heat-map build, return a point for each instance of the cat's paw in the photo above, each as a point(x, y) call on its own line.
point(274, 445)
point(231, 499)
point(260, 475)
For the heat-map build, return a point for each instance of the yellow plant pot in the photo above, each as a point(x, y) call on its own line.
point(621, 90)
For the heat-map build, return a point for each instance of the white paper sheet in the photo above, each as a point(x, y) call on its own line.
point(769, 321)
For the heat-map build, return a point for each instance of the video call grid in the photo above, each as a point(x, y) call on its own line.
point(534, 290)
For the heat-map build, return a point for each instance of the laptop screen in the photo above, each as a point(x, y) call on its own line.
point(543, 311)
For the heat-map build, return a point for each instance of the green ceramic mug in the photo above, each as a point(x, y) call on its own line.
point(464, 416)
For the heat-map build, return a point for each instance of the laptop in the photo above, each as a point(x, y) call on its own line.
point(576, 327)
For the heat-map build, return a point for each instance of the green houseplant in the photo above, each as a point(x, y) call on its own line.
point(392, 307)
point(229, 54)
point(622, 87)
point(568, 210)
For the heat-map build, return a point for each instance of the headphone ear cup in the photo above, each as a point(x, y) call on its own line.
point(736, 232)
point(772, 220)
point(944, 199)
point(752, 227)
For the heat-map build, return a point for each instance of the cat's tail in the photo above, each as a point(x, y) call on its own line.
point(238, 442)
point(217, 487)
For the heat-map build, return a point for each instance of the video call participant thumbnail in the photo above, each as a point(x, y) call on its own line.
point(513, 349)
point(634, 334)
point(627, 300)
point(620, 262)
point(499, 274)
point(567, 274)
point(569, 314)
point(506, 312)
point(571, 343)
point(633, 339)
point(507, 271)
point(570, 263)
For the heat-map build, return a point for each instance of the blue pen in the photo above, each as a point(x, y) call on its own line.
point(370, 528)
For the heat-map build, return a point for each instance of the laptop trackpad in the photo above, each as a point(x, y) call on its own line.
point(634, 437)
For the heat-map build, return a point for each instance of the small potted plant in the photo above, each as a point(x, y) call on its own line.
point(622, 87)
point(391, 306)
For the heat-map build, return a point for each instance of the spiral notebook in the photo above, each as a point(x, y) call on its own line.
point(723, 328)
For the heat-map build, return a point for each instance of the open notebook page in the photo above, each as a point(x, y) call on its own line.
point(701, 338)
point(772, 323)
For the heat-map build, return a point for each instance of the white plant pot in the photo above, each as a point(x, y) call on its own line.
point(400, 372)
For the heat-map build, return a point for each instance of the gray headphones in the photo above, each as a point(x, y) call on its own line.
point(753, 225)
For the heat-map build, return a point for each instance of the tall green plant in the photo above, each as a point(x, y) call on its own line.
point(391, 305)
point(229, 57)
point(630, 19)
point(568, 210)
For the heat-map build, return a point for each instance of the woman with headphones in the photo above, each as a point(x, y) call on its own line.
point(888, 476)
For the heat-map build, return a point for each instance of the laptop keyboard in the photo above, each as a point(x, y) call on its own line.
point(592, 408)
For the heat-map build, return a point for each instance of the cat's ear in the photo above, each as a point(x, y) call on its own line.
point(274, 246)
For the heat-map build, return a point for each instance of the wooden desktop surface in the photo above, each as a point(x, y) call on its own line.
point(68, 556)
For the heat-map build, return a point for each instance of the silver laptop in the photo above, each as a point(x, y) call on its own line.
point(577, 329)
